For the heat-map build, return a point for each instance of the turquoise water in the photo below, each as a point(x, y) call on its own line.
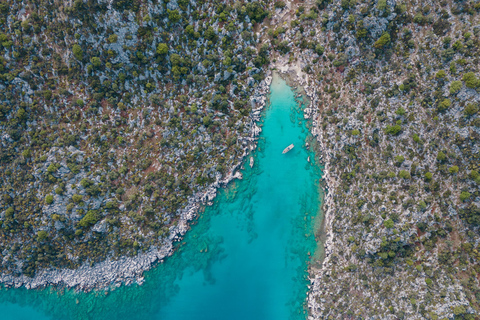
point(246, 257)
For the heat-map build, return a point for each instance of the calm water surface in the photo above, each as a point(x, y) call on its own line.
point(245, 258)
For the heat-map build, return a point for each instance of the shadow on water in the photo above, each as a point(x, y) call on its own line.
point(246, 256)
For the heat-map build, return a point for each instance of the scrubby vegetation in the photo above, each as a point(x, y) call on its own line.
point(112, 116)
point(397, 92)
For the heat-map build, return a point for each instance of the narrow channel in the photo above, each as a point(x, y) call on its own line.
point(246, 257)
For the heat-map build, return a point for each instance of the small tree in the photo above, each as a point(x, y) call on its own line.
point(441, 74)
point(470, 80)
point(444, 105)
point(96, 61)
point(455, 87)
point(113, 38)
point(399, 159)
point(89, 219)
point(382, 5)
point(280, 5)
point(459, 310)
point(453, 169)
point(77, 198)
point(49, 199)
point(464, 195)
point(393, 130)
point(206, 121)
point(404, 174)
point(42, 235)
point(474, 175)
point(441, 156)
point(471, 109)
point(162, 49)
point(319, 49)
point(388, 224)
point(77, 52)
point(383, 41)
point(400, 111)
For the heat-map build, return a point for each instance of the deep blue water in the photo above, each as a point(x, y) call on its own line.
point(245, 258)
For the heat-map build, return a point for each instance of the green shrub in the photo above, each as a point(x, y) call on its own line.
point(355, 132)
point(416, 138)
point(455, 87)
point(428, 281)
point(206, 121)
point(49, 199)
point(9, 213)
point(89, 219)
point(77, 51)
point(441, 74)
point(441, 156)
point(453, 169)
point(388, 224)
point(393, 130)
point(113, 38)
point(346, 4)
point(162, 49)
point(382, 5)
point(419, 18)
point(77, 198)
point(399, 159)
point(42, 235)
point(428, 176)
point(256, 12)
point(474, 174)
point(352, 267)
point(173, 16)
point(404, 174)
point(383, 41)
point(86, 183)
point(464, 195)
point(52, 168)
point(470, 80)
point(319, 49)
point(459, 310)
point(280, 5)
point(26, 153)
point(422, 205)
point(400, 111)
point(96, 62)
point(470, 109)
point(444, 105)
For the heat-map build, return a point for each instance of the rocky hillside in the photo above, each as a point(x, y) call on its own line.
point(115, 116)
point(397, 91)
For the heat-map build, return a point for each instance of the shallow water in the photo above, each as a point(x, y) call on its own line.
point(245, 258)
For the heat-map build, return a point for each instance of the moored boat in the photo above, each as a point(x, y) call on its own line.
point(290, 147)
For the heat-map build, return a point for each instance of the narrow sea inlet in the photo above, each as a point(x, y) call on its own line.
point(246, 257)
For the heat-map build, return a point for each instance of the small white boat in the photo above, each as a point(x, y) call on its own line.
point(290, 147)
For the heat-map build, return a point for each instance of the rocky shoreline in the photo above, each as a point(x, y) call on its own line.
point(296, 78)
point(110, 273)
